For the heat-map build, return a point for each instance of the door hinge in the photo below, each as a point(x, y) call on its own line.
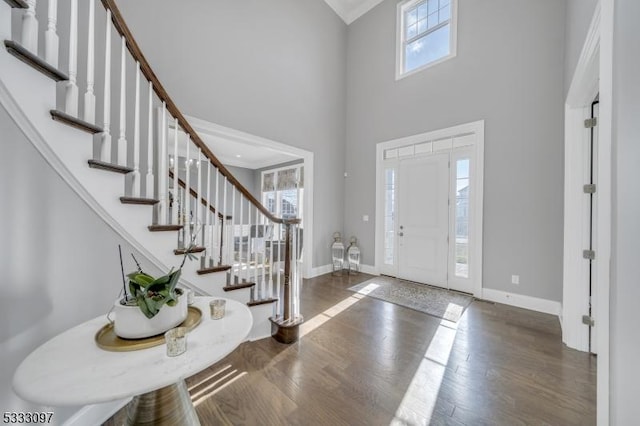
point(591, 122)
point(589, 254)
point(589, 188)
point(587, 320)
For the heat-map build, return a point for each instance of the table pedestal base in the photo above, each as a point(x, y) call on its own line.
point(169, 406)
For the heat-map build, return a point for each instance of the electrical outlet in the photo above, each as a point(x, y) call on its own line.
point(365, 218)
point(515, 279)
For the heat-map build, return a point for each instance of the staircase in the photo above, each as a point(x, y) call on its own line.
point(91, 104)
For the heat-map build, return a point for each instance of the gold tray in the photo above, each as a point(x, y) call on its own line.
point(106, 338)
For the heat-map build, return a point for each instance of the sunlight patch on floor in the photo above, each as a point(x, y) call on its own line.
point(309, 325)
point(422, 394)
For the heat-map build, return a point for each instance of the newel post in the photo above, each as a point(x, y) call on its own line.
point(285, 325)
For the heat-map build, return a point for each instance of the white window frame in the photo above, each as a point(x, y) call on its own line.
point(300, 195)
point(401, 41)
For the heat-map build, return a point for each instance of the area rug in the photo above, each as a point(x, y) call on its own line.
point(437, 302)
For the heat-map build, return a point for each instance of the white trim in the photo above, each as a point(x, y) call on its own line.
point(476, 128)
point(320, 270)
point(521, 301)
point(453, 40)
point(96, 414)
point(368, 269)
point(349, 11)
point(593, 74)
point(232, 135)
point(327, 269)
point(603, 234)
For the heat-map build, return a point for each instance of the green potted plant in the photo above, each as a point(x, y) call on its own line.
point(153, 305)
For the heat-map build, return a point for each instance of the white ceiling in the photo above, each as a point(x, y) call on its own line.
point(350, 10)
point(239, 149)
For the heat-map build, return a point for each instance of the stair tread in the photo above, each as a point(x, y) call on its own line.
point(213, 269)
point(72, 121)
point(138, 200)
point(161, 228)
point(21, 52)
point(238, 286)
point(262, 302)
point(97, 164)
point(193, 250)
point(18, 4)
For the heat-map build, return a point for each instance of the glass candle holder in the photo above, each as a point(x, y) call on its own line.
point(217, 307)
point(176, 339)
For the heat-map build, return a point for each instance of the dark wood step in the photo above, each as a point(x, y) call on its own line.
point(193, 250)
point(97, 164)
point(162, 228)
point(213, 269)
point(232, 287)
point(72, 121)
point(139, 201)
point(18, 4)
point(20, 52)
point(261, 302)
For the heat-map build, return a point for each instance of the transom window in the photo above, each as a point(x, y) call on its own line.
point(426, 34)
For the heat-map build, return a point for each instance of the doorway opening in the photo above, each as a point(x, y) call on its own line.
point(429, 208)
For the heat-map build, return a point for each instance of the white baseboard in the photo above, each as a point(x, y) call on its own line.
point(96, 414)
point(320, 270)
point(325, 269)
point(521, 301)
point(368, 269)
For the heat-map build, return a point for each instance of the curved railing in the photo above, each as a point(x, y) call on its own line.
point(191, 189)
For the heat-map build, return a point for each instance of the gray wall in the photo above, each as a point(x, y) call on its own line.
point(508, 72)
point(274, 69)
point(578, 19)
point(59, 259)
point(625, 289)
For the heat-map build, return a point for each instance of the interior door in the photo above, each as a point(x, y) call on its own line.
point(423, 219)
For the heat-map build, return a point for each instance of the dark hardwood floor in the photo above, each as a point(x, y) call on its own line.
point(362, 361)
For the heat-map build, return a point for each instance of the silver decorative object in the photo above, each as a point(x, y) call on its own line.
point(353, 256)
point(337, 254)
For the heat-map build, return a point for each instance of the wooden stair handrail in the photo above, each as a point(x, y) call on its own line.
point(145, 68)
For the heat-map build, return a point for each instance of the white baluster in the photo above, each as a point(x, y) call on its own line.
point(89, 96)
point(135, 176)
point(264, 253)
point(240, 241)
point(162, 164)
point(71, 93)
point(207, 215)
point(187, 194)
point(175, 218)
point(255, 256)
point(29, 37)
point(51, 40)
point(231, 246)
point(217, 219)
point(271, 268)
point(105, 148)
point(197, 214)
point(224, 216)
point(122, 140)
point(280, 247)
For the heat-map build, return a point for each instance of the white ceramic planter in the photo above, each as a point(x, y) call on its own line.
point(131, 323)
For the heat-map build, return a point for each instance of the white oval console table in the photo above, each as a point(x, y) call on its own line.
point(70, 369)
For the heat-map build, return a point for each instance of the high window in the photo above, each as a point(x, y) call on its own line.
point(426, 34)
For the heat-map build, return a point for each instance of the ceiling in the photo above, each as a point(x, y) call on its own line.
point(235, 148)
point(350, 10)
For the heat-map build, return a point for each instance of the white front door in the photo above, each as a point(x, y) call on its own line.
point(423, 219)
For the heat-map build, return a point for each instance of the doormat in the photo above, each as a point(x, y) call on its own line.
point(446, 304)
